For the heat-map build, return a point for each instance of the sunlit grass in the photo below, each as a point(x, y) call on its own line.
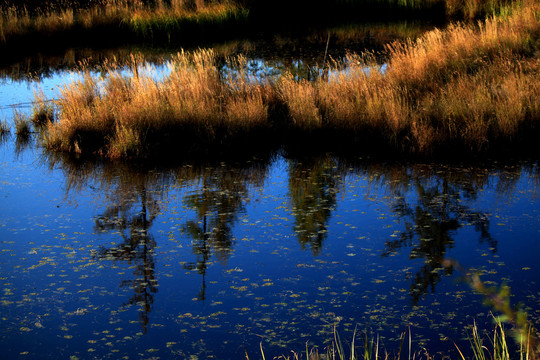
point(462, 89)
point(126, 18)
point(466, 87)
point(193, 106)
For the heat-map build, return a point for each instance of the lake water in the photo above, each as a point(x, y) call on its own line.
point(210, 260)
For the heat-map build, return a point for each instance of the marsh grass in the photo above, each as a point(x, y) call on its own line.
point(468, 88)
point(22, 125)
point(192, 109)
point(484, 346)
point(118, 21)
point(42, 110)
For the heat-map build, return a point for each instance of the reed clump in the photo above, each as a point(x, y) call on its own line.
point(22, 125)
point(192, 109)
point(42, 110)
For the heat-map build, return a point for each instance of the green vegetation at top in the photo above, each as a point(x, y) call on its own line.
point(118, 22)
point(43, 25)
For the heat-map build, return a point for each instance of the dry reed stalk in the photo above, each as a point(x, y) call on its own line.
point(300, 98)
point(439, 54)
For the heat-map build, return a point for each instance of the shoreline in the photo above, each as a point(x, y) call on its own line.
point(466, 89)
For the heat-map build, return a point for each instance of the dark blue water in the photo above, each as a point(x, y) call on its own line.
point(102, 261)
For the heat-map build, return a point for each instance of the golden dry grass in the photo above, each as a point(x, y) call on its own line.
point(134, 16)
point(466, 85)
point(129, 113)
point(466, 88)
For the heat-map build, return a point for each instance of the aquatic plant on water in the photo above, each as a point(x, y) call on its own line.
point(22, 125)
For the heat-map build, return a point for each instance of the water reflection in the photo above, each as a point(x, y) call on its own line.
point(313, 187)
point(217, 201)
point(430, 203)
point(432, 218)
point(131, 215)
point(134, 197)
point(22, 143)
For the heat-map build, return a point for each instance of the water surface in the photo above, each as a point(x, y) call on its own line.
point(208, 260)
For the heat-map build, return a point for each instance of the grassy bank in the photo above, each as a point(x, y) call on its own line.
point(469, 88)
point(64, 24)
point(118, 22)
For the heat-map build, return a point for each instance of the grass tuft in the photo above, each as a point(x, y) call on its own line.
point(22, 125)
point(42, 110)
point(4, 128)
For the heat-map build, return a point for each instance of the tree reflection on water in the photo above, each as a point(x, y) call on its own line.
point(432, 217)
point(137, 247)
point(217, 202)
point(312, 191)
point(132, 199)
point(431, 204)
